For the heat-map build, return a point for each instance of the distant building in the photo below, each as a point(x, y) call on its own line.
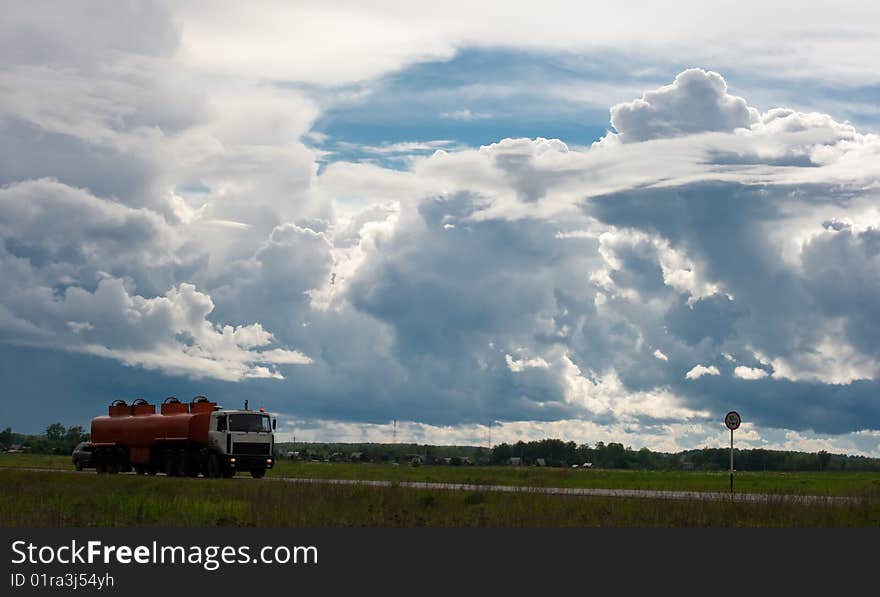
point(540, 462)
point(515, 461)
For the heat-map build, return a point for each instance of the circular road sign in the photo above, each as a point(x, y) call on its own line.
point(732, 420)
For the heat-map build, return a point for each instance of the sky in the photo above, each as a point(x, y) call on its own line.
point(573, 220)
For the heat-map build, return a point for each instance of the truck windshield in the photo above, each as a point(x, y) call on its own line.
point(249, 423)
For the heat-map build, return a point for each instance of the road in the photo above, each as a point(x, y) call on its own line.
point(574, 491)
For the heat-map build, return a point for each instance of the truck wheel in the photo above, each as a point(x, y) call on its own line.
point(214, 468)
point(100, 462)
point(189, 464)
point(171, 463)
point(258, 473)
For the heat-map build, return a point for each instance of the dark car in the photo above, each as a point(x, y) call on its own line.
point(82, 456)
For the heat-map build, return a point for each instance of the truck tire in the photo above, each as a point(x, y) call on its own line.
point(108, 457)
point(100, 462)
point(258, 473)
point(188, 464)
point(215, 468)
point(181, 462)
point(170, 463)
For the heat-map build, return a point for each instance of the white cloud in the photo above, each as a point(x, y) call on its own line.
point(522, 364)
point(750, 373)
point(465, 114)
point(658, 354)
point(605, 394)
point(699, 371)
point(696, 102)
point(170, 332)
point(833, 41)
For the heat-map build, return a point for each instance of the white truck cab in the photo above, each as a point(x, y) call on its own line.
point(240, 440)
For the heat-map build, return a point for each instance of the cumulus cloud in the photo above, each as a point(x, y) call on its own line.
point(696, 102)
point(699, 371)
point(750, 373)
point(170, 332)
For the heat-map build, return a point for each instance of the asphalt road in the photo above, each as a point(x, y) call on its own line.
point(576, 491)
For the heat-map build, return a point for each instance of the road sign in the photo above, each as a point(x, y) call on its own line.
point(732, 420)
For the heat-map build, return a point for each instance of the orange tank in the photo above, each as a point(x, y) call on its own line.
point(138, 425)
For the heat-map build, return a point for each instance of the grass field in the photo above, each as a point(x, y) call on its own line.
point(801, 483)
point(47, 499)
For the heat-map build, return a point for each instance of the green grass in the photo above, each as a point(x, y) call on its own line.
point(35, 460)
point(802, 483)
point(43, 499)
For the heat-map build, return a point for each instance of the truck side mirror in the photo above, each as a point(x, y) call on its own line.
point(273, 424)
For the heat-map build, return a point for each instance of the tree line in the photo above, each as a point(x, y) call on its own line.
point(57, 439)
point(556, 452)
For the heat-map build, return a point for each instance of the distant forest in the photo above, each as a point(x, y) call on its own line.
point(58, 439)
point(558, 453)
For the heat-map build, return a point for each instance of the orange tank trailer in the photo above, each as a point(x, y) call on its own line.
point(136, 436)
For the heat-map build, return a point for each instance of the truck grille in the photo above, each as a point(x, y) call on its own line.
point(251, 448)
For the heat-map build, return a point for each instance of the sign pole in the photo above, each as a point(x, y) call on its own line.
point(732, 420)
point(731, 462)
